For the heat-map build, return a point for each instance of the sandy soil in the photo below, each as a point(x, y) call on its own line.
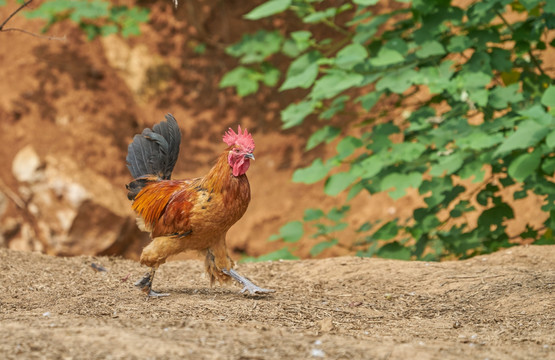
point(499, 306)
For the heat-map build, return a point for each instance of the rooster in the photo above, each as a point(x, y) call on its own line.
point(192, 214)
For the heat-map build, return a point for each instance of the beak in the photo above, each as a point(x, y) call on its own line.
point(249, 156)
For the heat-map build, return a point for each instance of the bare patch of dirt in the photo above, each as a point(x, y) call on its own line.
point(498, 306)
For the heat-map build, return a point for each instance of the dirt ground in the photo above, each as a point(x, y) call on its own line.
point(499, 306)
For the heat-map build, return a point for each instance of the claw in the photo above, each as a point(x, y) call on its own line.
point(153, 294)
point(248, 285)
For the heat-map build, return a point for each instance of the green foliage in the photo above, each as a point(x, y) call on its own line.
point(94, 17)
point(490, 110)
point(290, 232)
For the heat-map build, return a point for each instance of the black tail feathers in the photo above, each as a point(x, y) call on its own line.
point(153, 153)
point(135, 186)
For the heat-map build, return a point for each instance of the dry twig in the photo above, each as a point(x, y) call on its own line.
point(25, 31)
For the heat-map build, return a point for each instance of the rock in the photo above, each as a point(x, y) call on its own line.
point(72, 210)
point(94, 229)
point(10, 227)
point(144, 73)
point(26, 165)
point(3, 204)
point(326, 325)
point(24, 240)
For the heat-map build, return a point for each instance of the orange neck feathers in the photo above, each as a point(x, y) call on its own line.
point(220, 178)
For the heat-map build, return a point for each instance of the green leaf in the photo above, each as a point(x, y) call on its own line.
point(338, 182)
point(108, 30)
point(394, 250)
point(397, 81)
point(548, 166)
point(368, 167)
point(302, 39)
point(548, 97)
point(393, 52)
point(268, 8)
point(337, 105)
point(387, 231)
point(355, 190)
point(529, 133)
point(347, 146)
point(501, 60)
point(367, 226)
point(495, 216)
point(299, 42)
point(459, 44)
point(294, 114)
point(302, 72)
point(400, 182)
point(474, 80)
point(429, 49)
point(318, 248)
point(524, 165)
point(367, 30)
point(270, 75)
point(501, 97)
point(350, 55)
point(437, 78)
point(407, 151)
point(479, 140)
point(243, 79)
point(462, 207)
point(326, 133)
point(318, 16)
point(290, 232)
point(366, 2)
point(550, 140)
point(530, 4)
point(312, 214)
point(369, 100)
point(338, 213)
point(447, 164)
point(537, 113)
point(255, 48)
point(2, 2)
point(90, 30)
point(311, 174)
point(510, 77)
point(333, 83)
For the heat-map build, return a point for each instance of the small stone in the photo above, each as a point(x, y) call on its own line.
point(326, 325)
point(26, 165)
point(317, 353)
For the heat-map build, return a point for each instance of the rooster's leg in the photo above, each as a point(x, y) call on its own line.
point(146, 284)
point(248, 285)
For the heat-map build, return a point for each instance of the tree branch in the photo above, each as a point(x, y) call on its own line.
point(25, 31)
point(13, 14)
point(532, 57)
point(63, 38)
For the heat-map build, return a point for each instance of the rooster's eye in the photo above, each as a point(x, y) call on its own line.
point(236, 150)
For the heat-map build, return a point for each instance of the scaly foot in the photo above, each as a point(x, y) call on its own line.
point(146, 285)
point(144, 281)
point(248, 285)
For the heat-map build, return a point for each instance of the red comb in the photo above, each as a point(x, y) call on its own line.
point(243, 139)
